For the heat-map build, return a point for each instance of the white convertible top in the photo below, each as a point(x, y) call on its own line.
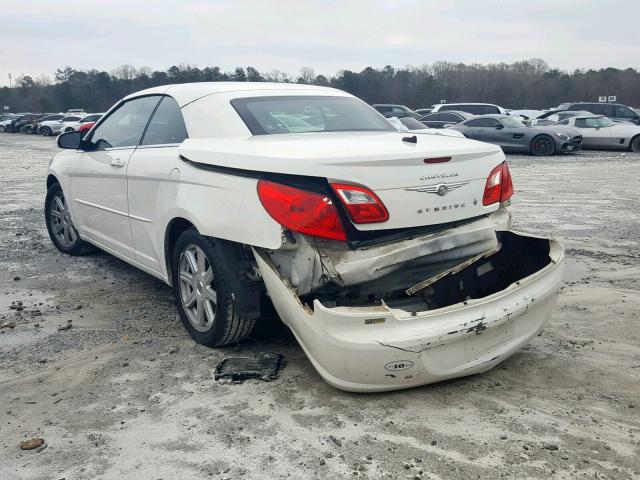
point(185, 93)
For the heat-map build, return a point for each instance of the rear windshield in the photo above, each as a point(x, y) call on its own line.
point(306, 114)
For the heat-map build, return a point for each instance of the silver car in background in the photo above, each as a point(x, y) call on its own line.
point(513, 136)
point(602, 133)
point(55, 127)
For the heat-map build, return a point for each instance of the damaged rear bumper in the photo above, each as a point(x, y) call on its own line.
point(386, 347)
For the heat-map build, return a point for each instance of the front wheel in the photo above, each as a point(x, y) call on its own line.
point(201, 285)
point(46, 131)
point(60, 226)
point(68, 129)
point(543, 146)
point(635, 144)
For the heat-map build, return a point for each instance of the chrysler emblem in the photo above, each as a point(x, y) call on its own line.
point(441, 189)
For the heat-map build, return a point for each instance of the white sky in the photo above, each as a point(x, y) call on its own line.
point(39, 36)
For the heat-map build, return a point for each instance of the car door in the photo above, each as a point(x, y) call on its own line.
point(153, 167)
point(592, 135)
point(98, 180)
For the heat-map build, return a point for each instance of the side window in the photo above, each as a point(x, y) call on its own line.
point(167, 125)
point(383, 109)
point(489, 109)
point(482, 122)
point(564, 122)
point(448, 107)
point(624, 112)
point(449, 117)
point(124, 127)
point(435, 116)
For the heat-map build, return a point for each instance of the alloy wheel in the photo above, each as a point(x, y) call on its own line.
point(543, 146)
point(61, 223)
point(197, 291)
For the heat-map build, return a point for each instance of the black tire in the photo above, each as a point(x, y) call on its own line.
point(635, 144)
point(226, 327)
point(543, 146)
point(46, 131)
point(2, 129)
point(68, 130)
point(75, 247)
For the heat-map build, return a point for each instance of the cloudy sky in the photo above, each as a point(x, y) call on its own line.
point(40, 36)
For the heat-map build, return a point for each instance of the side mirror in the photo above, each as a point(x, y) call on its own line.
point(499, 126)
point(70, 140)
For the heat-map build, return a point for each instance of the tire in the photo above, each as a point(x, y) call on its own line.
point(543, 146)
point(46, 131)
point(635, 144)
point(61, 230)
point(201, 283)
point(2, 129)
point(68, 129)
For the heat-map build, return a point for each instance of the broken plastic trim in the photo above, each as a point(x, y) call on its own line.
point(238, 369)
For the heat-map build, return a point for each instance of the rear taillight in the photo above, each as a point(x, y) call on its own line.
point(361, 203)
point(499, 187)
point(301, 211)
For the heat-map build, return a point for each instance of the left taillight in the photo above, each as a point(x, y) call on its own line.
point(301, 211)
point(363, 206)
point(499, 186)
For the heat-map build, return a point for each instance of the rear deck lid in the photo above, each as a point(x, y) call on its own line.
point(436, 179)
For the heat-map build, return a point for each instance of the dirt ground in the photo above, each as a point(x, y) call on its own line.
point(125, 393)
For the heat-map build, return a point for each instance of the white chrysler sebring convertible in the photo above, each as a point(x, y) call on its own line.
point(388, 254)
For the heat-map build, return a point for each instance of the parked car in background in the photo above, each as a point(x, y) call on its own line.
point(513, 136)
point(54, 127)
point(472, 108)
point(388, 255)
point(445, 119)
point(601, 133)
point(614, 111)
point(72, 126)
point(399, 111)
point(554, 116)
point(18, 124)
point(34, 126)
point(423, 111)
point(6, 122)
point(85, 127)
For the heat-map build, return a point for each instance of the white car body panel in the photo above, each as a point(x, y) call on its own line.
point(125, 199)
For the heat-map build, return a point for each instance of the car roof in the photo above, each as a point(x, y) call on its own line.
point(465, 115)
point(185, 93)
point(466, 103)
point(495, 116)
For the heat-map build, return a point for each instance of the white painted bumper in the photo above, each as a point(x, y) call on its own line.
point(378, 348)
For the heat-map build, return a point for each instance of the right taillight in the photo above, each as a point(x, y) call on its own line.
point(499, 187)
point(301, 211)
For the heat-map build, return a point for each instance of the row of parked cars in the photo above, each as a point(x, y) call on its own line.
point(48, 124)
point(568, 127)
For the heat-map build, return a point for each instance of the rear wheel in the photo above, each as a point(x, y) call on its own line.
point(2, 128)
point(635, 144)
point(201, 285)
point(543, 146)
point(68, 129)
point(60, 226)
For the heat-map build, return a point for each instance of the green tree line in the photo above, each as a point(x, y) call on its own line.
point(524, 84)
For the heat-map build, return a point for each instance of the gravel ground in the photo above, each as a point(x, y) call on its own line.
point(125, 393)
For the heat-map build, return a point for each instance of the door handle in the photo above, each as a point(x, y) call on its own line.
point(117, 163)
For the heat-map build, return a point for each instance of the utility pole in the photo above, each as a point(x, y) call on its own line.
point(9, 80)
